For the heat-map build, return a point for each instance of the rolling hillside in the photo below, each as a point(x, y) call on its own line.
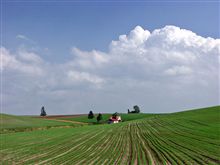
point(190, 137)
point(13, 123)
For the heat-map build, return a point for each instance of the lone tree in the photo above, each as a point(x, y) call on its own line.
point(90, 115)
point(129, 111)
point(136, 109)
point(99, 117)
point(43, 112)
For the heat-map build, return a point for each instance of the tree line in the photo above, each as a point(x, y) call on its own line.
point(91, 114)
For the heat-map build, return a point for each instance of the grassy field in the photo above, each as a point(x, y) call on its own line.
point(11, 123)
point(125, 117)
point(190, 137)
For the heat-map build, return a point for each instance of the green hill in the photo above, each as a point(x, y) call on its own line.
point(190, 137)
point(19, 123)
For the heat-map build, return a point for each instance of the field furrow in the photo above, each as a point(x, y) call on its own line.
point(156, 140)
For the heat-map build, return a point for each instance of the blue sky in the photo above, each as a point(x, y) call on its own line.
point(93, 25)
point(73, 57)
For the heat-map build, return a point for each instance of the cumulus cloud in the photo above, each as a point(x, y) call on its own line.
point(165, 70)
point(22, 62)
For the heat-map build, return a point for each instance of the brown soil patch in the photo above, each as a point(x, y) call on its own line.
point(68, 121)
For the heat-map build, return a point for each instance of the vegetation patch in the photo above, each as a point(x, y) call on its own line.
point(190, 137)
point(11, 123)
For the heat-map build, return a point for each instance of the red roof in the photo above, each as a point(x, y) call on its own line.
point(114, 119)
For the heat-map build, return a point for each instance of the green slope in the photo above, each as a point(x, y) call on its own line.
point(190, 137)
point(204, 114)
point(19, 123)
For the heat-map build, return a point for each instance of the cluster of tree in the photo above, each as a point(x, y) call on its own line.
point(136, 109)
point(91, 116)
point(43, 112)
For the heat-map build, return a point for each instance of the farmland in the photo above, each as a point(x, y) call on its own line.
point(11, 123)
point(125, 117)
point(189, 137)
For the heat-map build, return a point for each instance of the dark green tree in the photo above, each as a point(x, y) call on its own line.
point(90, 115)
point(114, 115)
point(43, 112)
point(129, 111)
point(99, 117)
point(136, 109)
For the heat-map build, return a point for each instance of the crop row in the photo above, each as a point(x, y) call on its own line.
point(156, 140)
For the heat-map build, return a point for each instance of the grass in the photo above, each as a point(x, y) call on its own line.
point(190, 137)
point(11, 123)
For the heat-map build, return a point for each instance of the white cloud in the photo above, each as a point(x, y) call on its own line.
point(88, 60)
point(84, 76)
point(178, 70)
point(29, 57)
point(13, 63)
point(23, 37)
point(165, 70)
